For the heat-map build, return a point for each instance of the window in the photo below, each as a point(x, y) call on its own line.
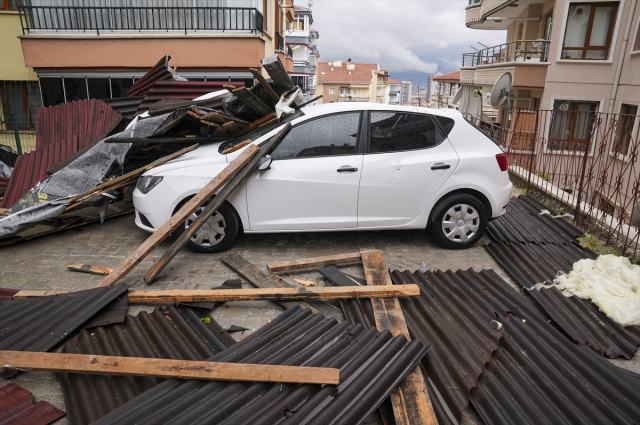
point(343, 91)
point(392, 132)
point(636, 43)
point(625, 130)
point(10, 4)
point(21, 98)
point(571, 124)
point(548, 24)
point(332, 90)
point(589, 30)
point(354, 92)
point(331, 135)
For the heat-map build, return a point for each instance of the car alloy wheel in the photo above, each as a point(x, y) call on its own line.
point(460, 223)
point(211, 232)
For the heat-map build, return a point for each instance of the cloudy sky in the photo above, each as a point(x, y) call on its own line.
point(401, 35)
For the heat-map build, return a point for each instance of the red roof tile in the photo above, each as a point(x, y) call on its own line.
point(362, 74)
point(450, 76)
point(392, 81)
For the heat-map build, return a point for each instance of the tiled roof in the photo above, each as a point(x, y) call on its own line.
point(392, 81)
point(450, 76)
point(362, 73)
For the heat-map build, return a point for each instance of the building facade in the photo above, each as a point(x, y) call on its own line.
point(348, 81)
point(302, 40)
point(446, 88)
point(97, 51)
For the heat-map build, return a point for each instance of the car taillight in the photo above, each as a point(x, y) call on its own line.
point(502, 161)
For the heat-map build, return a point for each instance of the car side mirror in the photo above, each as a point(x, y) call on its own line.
point(264, 163)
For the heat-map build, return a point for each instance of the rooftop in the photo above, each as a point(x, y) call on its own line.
point(450, 76)
point(392, 81)
point(362, 72)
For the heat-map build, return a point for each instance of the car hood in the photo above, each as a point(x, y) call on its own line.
point(203, 155)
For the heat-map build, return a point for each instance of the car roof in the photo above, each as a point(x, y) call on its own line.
point(327, 108)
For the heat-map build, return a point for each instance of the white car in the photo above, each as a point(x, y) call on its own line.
point(344, 166)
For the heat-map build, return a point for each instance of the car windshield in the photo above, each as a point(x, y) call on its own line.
point(261, 131)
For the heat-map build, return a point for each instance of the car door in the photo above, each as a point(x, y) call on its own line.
point(408, 159)
point(314, 178)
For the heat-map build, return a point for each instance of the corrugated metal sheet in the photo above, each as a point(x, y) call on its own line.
point(371, 364)
point(464, 337)
point(61, 131)
point(72, 126)
point(159, 72)
point(38, 324)
point(537, 375)
point(18, 406)
point(7, 293)
point(125, 106)
point(169, 105)
point(580, 319)
point(4, 182)
point(523, 223)
point(186, 90)
point(165, 333)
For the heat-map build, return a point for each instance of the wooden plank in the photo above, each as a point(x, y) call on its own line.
point(29, 294)
point(304, 282)
point(88, 268)
point(221, 118)
point(259, 279)
point(236, 147)
point(216, 202)
point(311, 263)
point(252, 101)
point(276, 70)
point(230, 127)
point(410, 400)
point(265, 85)
point(178, 218)
point(256, 124)
point(132, 174)
point(167, 140)
point(336, 277)
point(166, 368)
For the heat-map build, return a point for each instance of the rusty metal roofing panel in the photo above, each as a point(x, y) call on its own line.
point(7, 293)
point(38, 324)
point(537, 375)
point(186, 90)
point(160, 71)
point(4, 182)
point(171, 333)
point(580, 319)
point(464, 337)
point(523, 223)
point(30, 169)
point(125, 106)
point(18, 406)
point(371, 364)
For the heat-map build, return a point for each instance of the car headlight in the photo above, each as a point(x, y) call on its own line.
point(146, 183)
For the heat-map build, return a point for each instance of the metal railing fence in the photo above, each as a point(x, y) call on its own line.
point(513, 51)
point(588, 161)
point(116, 19)
point(280, 39)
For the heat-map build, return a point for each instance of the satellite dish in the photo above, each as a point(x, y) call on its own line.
point(310, 4)
point(501, 90)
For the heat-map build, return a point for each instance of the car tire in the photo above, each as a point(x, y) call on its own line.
point(458, 221)
point(217, 233)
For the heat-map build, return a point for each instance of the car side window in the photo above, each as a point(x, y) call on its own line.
point(327, 136)
point(402, 131)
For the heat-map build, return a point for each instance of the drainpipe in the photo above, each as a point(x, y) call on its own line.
point(623, 52)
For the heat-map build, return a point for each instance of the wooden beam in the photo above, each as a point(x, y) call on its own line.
point(221, 118)
point(276, 70)
point(252, 101)
point(230, 127)
point(259, 279)
point(410, 400)
point(265, 85)
point(248, 166)
point(88, 268)
point(312, 263)
point(235, 147)
point(256, 124)
point(166, 368)
point(165, 140)
point(178, 218)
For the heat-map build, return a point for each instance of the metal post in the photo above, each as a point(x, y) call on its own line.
point(16, 133)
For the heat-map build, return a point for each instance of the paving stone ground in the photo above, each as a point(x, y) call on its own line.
point(40, 264)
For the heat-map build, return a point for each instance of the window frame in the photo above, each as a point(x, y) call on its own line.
point(635, 130)
point(635, 45)
point(612, 31)
point(332, 90)
point(367, 119)
point(575, 114)
point(4, 6)
point(359, 137)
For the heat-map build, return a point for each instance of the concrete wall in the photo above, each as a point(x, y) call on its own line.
point(11, 60)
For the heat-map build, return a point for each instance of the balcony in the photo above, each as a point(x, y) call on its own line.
point(120, 20)
point(514, 51)
point(495, 14)
point(280, 41)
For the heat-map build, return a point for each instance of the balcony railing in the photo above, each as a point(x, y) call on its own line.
point(120, 19)
point(514, 51)
point(471, 2)
point(301, 63)
point(280, 39)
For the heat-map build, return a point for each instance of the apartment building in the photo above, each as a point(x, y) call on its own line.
point(579, 55)
point(446, 89)
point(399, 92)
point(302, 39)
point(348, 81)
point(90, 50)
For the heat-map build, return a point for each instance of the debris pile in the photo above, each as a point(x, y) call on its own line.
point(81, 171)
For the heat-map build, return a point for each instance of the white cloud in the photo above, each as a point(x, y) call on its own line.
point(401, 35)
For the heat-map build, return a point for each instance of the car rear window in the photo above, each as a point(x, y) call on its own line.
point(402, 131)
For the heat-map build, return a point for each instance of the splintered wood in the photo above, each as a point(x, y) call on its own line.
point(411, 403)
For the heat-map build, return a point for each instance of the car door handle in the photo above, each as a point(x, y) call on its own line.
point(441, 166)
point(347, 169)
